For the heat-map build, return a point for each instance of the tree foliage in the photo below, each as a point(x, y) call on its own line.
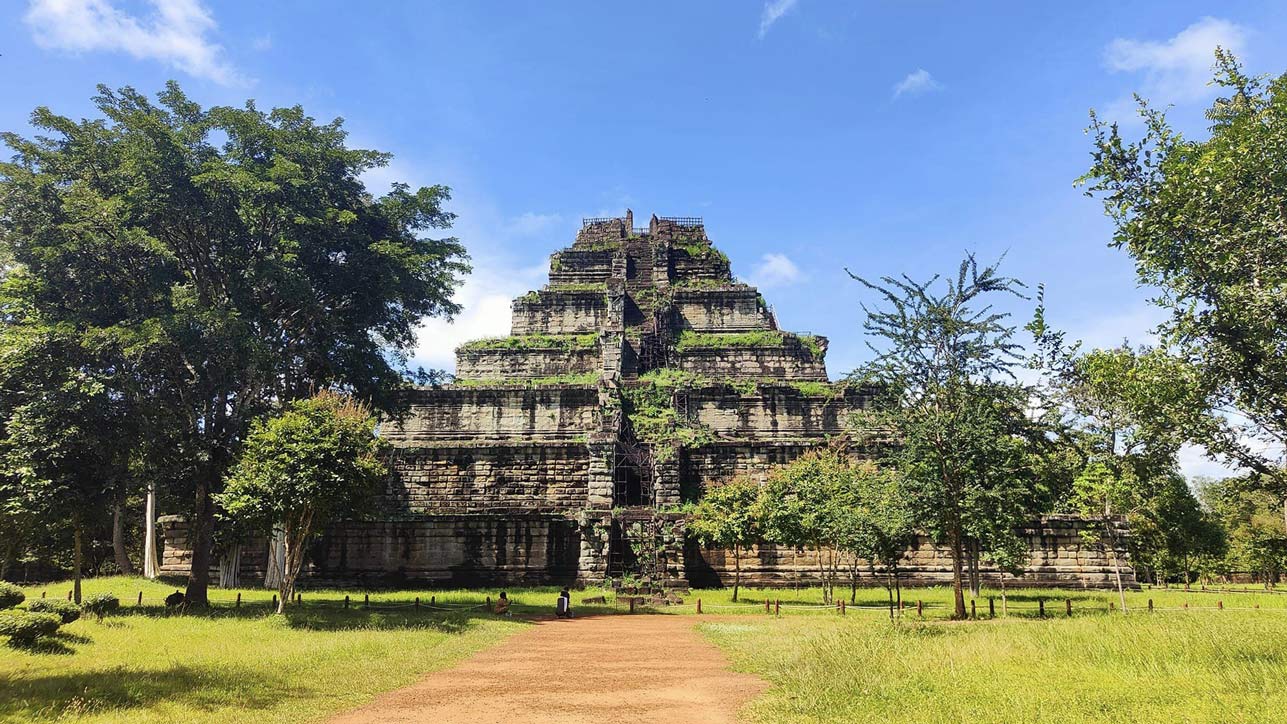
point(1203, 220)
point(232, 255)
point(726, 516)
point(951, 419)
point(314, 463)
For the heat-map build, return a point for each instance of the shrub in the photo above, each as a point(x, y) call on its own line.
point(10, 595)
point(23, 627)
point(101, 604)
point(66, 610)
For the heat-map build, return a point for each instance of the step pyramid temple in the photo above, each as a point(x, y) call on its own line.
point(641, 375)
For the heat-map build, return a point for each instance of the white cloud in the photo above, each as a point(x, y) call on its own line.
point(775, 270)
point(917, 82)
point(531, 223)
point(773, 11)
point(1176, 70)
point(176, 34)
point(485, 297)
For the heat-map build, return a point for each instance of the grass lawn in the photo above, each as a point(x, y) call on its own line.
point(146, 666)
point(150, 665)
point(1179, 666)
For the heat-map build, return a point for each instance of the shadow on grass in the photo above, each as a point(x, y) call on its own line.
point(52, 696)
point(331, 617)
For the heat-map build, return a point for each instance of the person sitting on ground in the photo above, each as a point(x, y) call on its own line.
point(564, 607)
point(502, 605)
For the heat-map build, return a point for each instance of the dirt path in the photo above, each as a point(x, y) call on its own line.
point(602, 669)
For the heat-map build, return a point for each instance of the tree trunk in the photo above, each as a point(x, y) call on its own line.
point(230, 568)
point(822, 571)
point(201, 538)
point(737, 570)
point(151, 568)
point(1005, 609)
point(118, 540)
point(76, 560)
point(853, 580)
point(958, 592)
point(1117, 569)
point(276, 559)
point(975, 583)
point(898, 590)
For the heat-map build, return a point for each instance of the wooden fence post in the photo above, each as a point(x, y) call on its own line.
point(69, 595)
point(417, 603)
point(973, 615)
point(1068, 606)
point(699, 603)
point(1150, 605)
point(992, 607)
point(140, 602)
point(777, 607)
point(366, 600)
point(766, 606)
point(346, 600)
point(1041, 607)
point(238, 599)
point(1220, 605)
point(920, 612)
point(842, 607)
point(632, 605)
point(274, 601)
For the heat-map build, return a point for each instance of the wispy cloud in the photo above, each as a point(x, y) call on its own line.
point(530, 223)
point(775, 270)
point(773, 12)
point(176, 34)
point(917, 82)
point(1176, 70)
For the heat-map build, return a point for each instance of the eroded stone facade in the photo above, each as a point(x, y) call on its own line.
point(639, 377)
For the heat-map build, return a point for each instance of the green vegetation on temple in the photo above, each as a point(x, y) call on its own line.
point(698, 249)
point(569, 342)
point(719, 340)
point(585, 378)
point(534, 297)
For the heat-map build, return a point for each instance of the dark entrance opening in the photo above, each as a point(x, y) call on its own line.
point(630, 484)
point(622, 558)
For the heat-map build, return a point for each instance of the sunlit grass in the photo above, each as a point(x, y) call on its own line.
point(1196, 666)
point(147, 665)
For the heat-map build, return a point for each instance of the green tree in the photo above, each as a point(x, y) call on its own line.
point(949, 417)
point(872, 521)
point(1257, 538)
point(1203, 220)
point(797, 508)
point(316, 462)
point(726, 516)
point(64, 454)
point(234, 253)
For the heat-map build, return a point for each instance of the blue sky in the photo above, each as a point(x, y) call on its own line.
point(812, 136)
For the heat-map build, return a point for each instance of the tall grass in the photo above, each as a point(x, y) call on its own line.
point(1199, 666)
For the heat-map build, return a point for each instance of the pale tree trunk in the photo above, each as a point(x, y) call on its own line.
point(1005, 610)
point(1117, 569)
point(294, 534)
point(230, 568)
point(822, 571)
point(737, 570)
point(276, 559)
point(76, 560)
point(118, 540)
point(151, 567)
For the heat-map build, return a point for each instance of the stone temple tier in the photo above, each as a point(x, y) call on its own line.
point(641, 375)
